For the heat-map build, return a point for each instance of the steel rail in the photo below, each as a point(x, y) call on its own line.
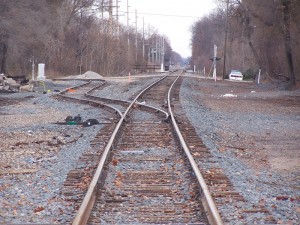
point(123, 102)
point(118, 101)
point(207, 200)
point(75, 87)
point(82, 216)
point(152, 108)
point(108, 100)
point(108, 108)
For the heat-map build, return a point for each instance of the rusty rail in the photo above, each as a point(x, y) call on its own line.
point(207, 200)
point(108, 108)
point(89, 199)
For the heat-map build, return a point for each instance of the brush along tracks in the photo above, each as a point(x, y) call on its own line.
point(143, 176)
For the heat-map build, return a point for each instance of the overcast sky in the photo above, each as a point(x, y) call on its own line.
point(177, 28)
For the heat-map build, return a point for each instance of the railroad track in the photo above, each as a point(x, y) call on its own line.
point(78, 179)
point(222, 190)
point(142, 175)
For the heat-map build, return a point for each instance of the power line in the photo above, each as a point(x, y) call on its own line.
point(167, 15)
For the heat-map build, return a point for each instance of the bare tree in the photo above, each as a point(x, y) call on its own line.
point(287, 4)
point(70, 36)
point(271, 29)
point(3, 49)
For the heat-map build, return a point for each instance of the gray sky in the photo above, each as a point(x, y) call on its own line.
point(177, 28)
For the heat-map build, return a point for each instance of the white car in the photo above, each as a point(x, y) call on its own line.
point(235, 75)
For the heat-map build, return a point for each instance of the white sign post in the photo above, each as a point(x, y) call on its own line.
point(215, 63)
point(32, 74)
point(258, 76)
point(41, 71)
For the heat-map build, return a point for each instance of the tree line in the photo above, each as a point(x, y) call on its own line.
point(251, 35)
point(73, 36)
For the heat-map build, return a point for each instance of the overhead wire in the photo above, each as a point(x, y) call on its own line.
point(166, 15)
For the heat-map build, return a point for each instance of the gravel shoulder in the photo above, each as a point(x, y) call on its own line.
point(36, 154)
point(254, 132)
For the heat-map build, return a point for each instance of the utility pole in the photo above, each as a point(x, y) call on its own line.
point(102, 8)
point(163, 50)
point(156, 50)
point(110, 11)
point(32, 61)
point(151, 47)
point(117, 17)
point(136, 38)
point(225, 44)
point(128, 40)
point(143, 40)
point(215, 63)
point(159, 46)
point(162, 54)
point(243, 49)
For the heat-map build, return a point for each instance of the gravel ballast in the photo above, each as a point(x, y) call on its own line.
point(240, 132)
point(254, 136)
point(37, 153)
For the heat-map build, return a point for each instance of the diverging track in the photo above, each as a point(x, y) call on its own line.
point(143, 177)
point(145, 171)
